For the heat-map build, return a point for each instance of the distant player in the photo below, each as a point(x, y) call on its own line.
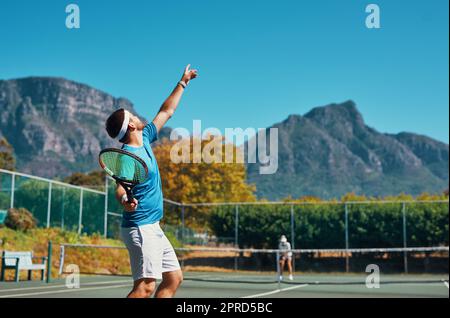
point(285, 256)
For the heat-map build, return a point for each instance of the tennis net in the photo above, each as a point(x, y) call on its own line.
point(261, 265)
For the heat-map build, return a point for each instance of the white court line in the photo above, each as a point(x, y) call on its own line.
point(275, 291)
point(64, 291)
point(57, 286)
point(445, 282)
point(413, 284)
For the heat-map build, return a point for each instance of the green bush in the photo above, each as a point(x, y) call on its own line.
point(323, 225)
point(20, 219)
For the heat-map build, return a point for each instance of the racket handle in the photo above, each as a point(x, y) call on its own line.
point(130, 195)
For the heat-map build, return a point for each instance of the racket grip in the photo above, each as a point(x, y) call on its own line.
point(130, 196)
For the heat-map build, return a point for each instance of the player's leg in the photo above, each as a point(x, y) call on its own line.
point(172, 277)
point(289, 265)
point(145, 253)
point(169, 285)
point(143, 288)
point(282, 263)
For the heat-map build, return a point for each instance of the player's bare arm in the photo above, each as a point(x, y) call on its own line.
point(171, 103)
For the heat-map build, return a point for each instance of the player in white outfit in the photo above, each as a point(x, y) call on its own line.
point(285, 256)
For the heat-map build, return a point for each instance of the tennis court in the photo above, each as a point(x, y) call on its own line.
point(252, 273)
point(237, 285)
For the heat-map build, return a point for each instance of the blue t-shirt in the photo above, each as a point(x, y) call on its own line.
point(149, 193)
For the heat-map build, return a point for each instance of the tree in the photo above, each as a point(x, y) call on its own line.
point(7, 160)
point(94, 179)
point(202, 182)
point(189, 182)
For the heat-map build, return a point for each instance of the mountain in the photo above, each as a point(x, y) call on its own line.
point(56, 126)
point(330, 151)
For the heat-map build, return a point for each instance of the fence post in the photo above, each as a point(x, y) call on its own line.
point(13, 186)
point(81, 212)
point(182, 233)
point(405, 243)
point(49, 262)
point(62, 207)
point(347, 260)
point(49, 203)
point(182, 223)
point(293, 236)
point(236, 227)
point(236, 235)
point(105, 227)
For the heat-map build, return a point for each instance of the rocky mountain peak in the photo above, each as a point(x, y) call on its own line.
point(330, 151)
point(56, 123)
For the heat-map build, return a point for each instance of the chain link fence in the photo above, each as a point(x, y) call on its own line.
point(342, 225)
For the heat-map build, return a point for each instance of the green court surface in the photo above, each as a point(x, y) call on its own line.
point(232, 285)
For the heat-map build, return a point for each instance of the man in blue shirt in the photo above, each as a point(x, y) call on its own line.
point(152, 256)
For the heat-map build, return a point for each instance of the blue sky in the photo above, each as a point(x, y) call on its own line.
point(259, 61)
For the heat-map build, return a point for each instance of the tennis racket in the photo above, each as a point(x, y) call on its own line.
point(126, 168)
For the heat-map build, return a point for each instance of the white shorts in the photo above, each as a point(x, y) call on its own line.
point(151, 253)
point(286, 256)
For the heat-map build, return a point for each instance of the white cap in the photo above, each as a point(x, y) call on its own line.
point(283, 239)
point(124, 128)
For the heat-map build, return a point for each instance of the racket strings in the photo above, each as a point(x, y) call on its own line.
point(124, 166)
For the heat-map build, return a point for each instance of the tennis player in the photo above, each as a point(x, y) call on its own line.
point(152, 256)
point(285, 256)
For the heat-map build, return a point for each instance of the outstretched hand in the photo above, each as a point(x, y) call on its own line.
point(189, 74)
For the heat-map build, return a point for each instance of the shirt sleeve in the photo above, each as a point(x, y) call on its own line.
point(150, 134)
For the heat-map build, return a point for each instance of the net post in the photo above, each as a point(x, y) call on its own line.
point(236, 236)
point(405, 243)
point(278, 278)
point(49, 262)
point(61, 258)
point(49, 203)
point(105, 226)
point(347, 260)
point(293, 236)
point(13, 186)
point(80, 217)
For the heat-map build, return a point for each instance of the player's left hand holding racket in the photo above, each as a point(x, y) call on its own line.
point(126, 168)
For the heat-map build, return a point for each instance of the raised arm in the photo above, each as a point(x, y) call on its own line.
point(171, 103)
